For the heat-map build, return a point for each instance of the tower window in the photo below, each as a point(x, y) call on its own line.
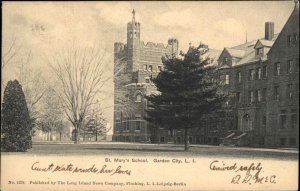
point(139, 98)
point(227, 79)
point(150, 68)
point(145, 67)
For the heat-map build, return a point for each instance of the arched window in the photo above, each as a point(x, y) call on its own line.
point(138, 98)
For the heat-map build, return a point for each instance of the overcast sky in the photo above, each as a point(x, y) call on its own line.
point(45, 26)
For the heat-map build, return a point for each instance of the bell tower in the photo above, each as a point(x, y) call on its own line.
point(133, 42)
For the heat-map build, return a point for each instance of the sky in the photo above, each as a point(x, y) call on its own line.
point(45, 27)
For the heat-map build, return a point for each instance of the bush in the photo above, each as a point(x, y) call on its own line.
point(16, 124)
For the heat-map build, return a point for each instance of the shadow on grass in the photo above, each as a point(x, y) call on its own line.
point(135, 149)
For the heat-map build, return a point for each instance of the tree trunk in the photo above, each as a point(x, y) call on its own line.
point(59, 136)
point(96, 137)
point(186, 140)
point(51, 135)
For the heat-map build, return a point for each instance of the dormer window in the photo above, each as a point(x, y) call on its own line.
point(259, 51)
point(225, 60)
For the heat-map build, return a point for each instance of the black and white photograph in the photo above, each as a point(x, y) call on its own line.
point(150, 95)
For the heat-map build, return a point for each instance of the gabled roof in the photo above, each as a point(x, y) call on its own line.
point(236, 52)
point(294, 14)
point(246, 51)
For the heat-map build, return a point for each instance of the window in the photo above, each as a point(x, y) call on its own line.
point(264, 72)
point(277, 69)
point(283, 119)
point(295, 38)
point(118, 124)
point(264, 121)
point(138, 98)
point(293, 121)
point(290, 66)
point(162, 139)
point(290, 91)
point(226, 79)
point(138, 125)
point(145, 67)
point(159, 68)
point(289, 40)
point(292, 141)
point(258, 73)
point(258, 95)
point(282, 141)
point(251, 74)
point(259, 51)
point(264, 94)
point(225, 60)
point(238, 97)
point(276, 92)
point(150, 68)
point(239, 77)
point(251, 96)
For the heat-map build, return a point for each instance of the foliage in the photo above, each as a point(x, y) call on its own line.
point(95, 125)
point(16, 123)
point(188, 91)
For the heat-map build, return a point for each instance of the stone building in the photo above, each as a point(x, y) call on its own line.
point(264, 76)
point(261, 74)
point(142, 61)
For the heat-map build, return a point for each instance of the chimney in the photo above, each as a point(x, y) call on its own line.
point(269, 30)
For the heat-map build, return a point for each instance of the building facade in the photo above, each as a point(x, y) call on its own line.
point(140, 63)
point(263, 76)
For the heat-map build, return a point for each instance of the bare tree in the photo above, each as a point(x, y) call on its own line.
point(33, 83)
point(50, 116)
point(80, 74)
point(7, 57)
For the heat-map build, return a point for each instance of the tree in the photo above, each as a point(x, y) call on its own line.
point(80, 74)
point(188, 91)
point(7, 57)
point(16, 124)
point(50, 116)
point(95, 125)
